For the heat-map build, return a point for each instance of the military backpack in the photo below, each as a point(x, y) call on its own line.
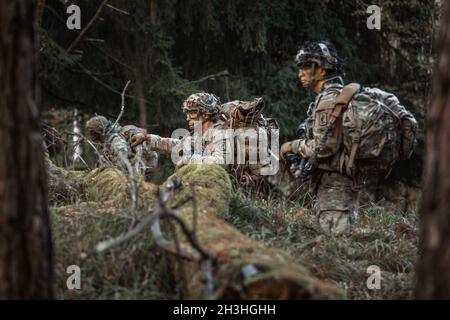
point(377, 130)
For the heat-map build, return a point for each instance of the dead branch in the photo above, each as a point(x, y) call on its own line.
point(223, 73)
point(122, 107)
point(118, 10)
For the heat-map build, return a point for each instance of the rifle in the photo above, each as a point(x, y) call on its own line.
point(298, 165)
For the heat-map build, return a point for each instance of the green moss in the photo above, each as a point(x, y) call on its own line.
point(209, 183)
point(108, 184)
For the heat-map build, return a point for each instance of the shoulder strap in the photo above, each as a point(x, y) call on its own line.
point(340, 106)
point(343, 99)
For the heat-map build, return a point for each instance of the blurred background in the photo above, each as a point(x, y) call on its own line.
point(237, 49)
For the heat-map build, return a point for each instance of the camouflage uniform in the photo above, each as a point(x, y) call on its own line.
point(117, 146)
point(213, 147)
point(208, 148)
point(216, 146)
point(351, 147)
point(247, 116)
point(336, 194)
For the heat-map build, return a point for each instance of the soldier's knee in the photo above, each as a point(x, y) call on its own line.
point(336, 222)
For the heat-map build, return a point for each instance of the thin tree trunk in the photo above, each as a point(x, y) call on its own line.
point(153, 12)
point(26, 262)
point(140, 98)
point(433, 272)
point(40, 11)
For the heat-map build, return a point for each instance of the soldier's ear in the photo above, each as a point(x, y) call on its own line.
point(321, 72)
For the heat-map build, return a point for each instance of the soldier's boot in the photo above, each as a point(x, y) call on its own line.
point(336, 222)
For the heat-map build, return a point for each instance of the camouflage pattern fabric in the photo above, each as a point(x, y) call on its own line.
point(316, 123)
point(240, 116)
point(118, 147)
point(213, 148)
point(336, 203)
point(216, 148)
point(408, 125)
point(206, 103)
point(336, 194)
point(148, 158)
point(382, 131)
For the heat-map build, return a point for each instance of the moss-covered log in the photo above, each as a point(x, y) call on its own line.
point(244, 268)
point(106, 184)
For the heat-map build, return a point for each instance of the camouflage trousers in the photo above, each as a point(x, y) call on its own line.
point(336, 202)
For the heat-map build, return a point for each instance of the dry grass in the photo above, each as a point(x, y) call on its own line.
point(137, 270)
point(384, 237)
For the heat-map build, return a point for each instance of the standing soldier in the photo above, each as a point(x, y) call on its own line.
point(321, 71)
point(353, 135)
point(117, 149)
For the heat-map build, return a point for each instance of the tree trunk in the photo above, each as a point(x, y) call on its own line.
point(40, 11)
point(26, 262)
point(433, 272)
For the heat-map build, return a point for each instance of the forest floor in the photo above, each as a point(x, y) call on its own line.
point(385, 238)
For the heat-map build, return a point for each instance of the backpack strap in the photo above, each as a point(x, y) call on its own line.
point(343, 99)
point(341, 105)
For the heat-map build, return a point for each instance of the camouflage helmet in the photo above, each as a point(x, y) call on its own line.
point(323, 53)
point(98, 125)
point(202, 102)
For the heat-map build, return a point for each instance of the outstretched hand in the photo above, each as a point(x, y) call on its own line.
point(286, 148)
point(138, 139)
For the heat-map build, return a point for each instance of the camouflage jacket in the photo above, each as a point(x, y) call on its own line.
point(119, 143)
point(217, 146)
point(211, 148)
point(318, 117)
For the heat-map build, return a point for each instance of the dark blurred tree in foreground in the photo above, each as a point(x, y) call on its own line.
point(434, 262)
point(26, 263)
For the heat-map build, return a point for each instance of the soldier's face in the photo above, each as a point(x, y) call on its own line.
point(192, 116)
point(97, 137)
point(306, 76)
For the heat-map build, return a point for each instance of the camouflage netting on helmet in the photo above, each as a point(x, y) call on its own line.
point(203, 102)
point(323, 53)
point(98, 124)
